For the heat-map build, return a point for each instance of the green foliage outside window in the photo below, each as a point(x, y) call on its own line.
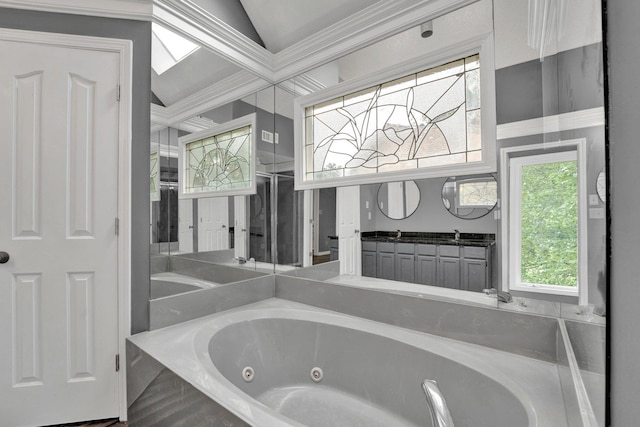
point(549, 224)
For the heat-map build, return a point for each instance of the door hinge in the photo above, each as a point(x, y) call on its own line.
point(118, 93)
point(117, 362)
point(117, 226)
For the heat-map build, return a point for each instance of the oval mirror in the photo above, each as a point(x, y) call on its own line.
point(470, 197)
point(398, 200)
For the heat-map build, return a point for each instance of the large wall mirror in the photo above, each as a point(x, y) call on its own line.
point(285, 228)
point(546, 92)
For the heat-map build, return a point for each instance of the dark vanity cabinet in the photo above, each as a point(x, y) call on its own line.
point(475, 269)
point(369, 259)
point(386, 261)
point(426, 264)
point(449, 266)
point(405, 262)
point(460, 266)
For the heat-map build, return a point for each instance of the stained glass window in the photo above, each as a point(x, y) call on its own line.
point(219, 162)
point(478, 193)
point(425, 119)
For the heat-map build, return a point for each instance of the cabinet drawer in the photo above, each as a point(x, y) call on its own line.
point(475, 252)
point(369, 246)
point(405, 248)
point(386, 247)
point(451, 251)
point(427, 250)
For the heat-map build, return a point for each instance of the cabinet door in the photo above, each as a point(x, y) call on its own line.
point(474, 274)
point(405, 268)
point(386, 265)
point(369, 264)
point(426, 269)
point(449, 272)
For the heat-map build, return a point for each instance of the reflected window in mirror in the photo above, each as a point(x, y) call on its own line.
point(219, 161)
point(546, 210)
point(398, 200)
point(470, 197)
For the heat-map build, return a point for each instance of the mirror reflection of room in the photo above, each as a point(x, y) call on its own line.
point(399, 174)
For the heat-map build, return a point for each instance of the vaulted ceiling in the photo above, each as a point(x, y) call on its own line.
point(248, 45)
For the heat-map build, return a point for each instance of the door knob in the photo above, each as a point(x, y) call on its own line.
point(4, 257)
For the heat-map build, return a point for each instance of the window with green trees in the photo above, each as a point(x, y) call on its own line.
point(545, 231)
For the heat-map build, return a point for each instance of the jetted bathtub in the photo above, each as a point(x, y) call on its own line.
point(281, 363)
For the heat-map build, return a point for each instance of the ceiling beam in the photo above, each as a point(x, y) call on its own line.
point(375, 23)
point(221, 93)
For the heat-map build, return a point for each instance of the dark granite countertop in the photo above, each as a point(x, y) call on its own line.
point(466, 239)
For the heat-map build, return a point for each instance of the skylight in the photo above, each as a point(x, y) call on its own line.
point(168, 48)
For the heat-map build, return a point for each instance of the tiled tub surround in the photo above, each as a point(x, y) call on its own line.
point(495, 335)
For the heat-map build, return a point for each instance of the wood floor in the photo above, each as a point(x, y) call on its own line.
point(99, 423)
point(319, 259)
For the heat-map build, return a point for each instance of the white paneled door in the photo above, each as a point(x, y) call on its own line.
point(240, 236)
point(58, 203)
point(213, 220)
point(185, 225)
point(349, 245)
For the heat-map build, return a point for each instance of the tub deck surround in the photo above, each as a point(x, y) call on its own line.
point(183, 307)
point(527, 390)
point(466, 239)
point(414, 290)
point(170, 283)
point(520, 333)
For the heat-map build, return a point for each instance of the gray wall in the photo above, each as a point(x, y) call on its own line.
point(140, 33)
point(431, 215)
point(624, 176)
point(568, 81)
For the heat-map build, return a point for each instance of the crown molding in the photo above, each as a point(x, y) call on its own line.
point(223, 92)
point(302, 85)
point(140, 10)
point(550, 124)
point(375, 23)
point(161, 119)
point(196, 24)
